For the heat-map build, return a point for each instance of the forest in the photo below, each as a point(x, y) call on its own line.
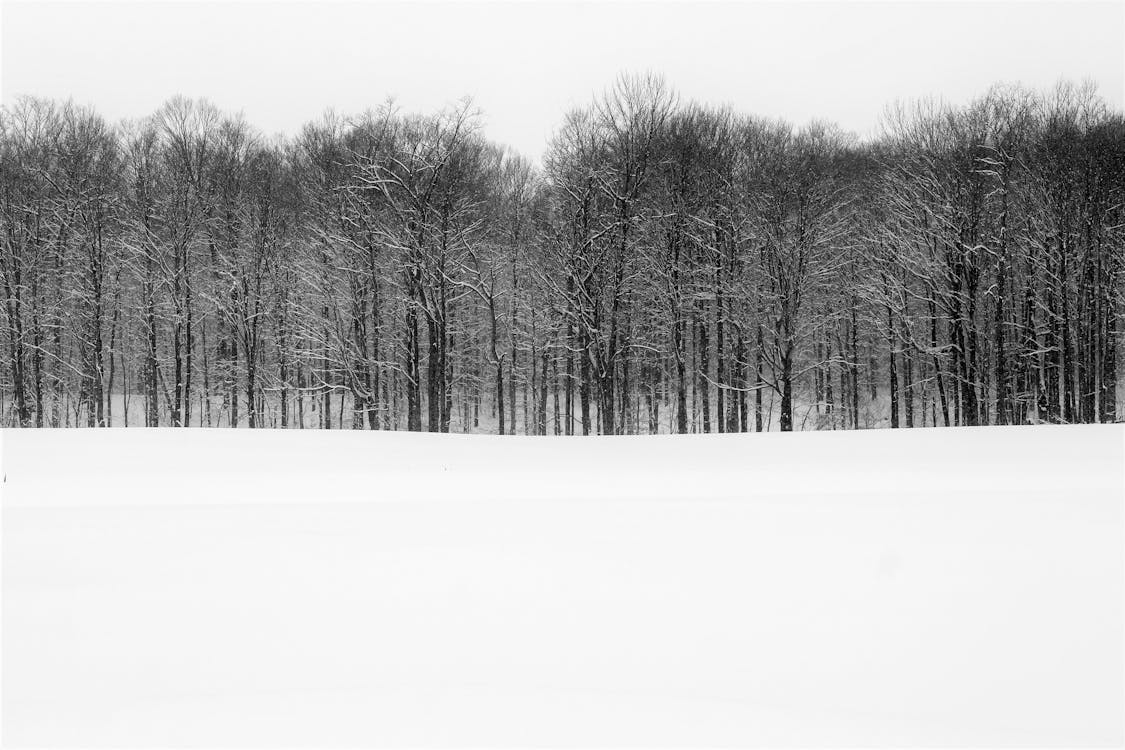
point(664, 267)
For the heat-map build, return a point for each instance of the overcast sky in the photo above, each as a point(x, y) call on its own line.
point(525, 63)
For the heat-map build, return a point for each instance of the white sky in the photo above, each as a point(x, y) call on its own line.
point(526, 62)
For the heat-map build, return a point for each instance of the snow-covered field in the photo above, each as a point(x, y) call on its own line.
point(231, 588)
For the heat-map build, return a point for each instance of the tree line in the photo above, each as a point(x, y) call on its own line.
point(667, 267)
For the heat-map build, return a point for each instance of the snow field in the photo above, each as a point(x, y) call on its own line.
point(951, 587)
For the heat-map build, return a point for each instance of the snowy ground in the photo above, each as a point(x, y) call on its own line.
point(947, 587)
